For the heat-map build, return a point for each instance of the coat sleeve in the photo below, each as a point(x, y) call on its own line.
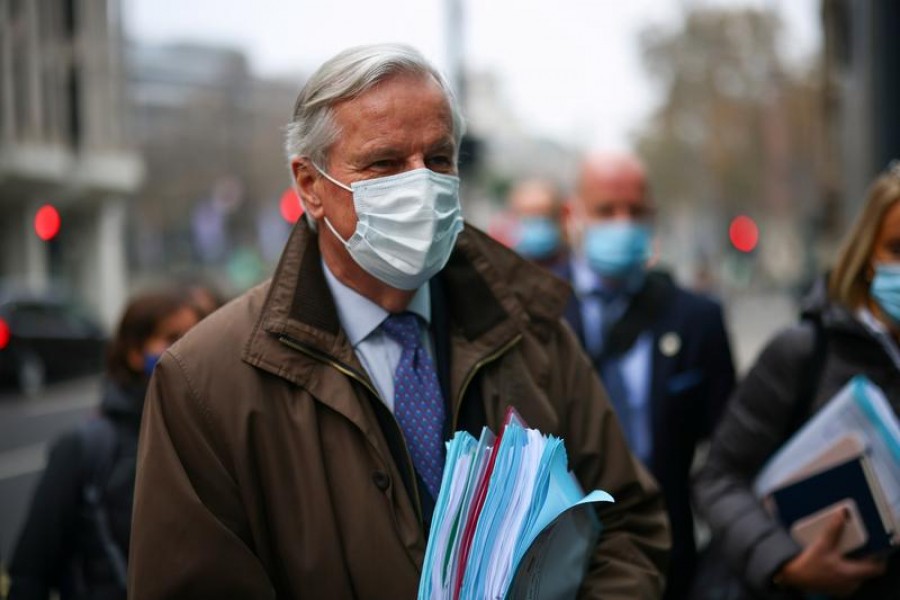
point(751, 430)
point(632, 552)
point(189, 534)
point(46, 543)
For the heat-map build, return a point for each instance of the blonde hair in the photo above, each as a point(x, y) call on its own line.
point(848, 283)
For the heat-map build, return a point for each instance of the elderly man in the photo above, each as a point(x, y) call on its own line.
point(293, 447)
point(662, 352)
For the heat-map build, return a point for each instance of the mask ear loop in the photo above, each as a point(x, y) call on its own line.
point(330, 178)
point(340, 185)
point(346, 243)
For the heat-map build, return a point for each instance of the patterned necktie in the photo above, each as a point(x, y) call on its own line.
point(418, 405)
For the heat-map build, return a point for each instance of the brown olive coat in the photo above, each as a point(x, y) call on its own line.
point(265, 470)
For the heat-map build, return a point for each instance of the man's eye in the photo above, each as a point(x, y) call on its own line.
point(640, 212)
point(440, 163)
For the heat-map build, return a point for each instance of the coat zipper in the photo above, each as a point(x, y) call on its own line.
point(471, 375)
point(353, 374)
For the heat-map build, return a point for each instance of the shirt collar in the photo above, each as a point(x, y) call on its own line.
point(360, 316)
point(586, 282)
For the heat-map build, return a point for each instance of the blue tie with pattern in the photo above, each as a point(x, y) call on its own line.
point(418, 405)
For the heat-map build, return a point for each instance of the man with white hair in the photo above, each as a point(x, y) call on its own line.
point(293, 446)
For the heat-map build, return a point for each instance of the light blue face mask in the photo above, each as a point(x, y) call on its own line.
point(885, 289)
point(150, 361)
point(538, 237)
point(617, 249)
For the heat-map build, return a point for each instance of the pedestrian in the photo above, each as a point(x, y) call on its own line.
point(539, 226)
point(75, 539)
point(293, 442)
point(851, 327)
point(204, 296)
point(662, 352)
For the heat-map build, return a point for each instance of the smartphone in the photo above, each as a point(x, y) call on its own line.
point(854, 535)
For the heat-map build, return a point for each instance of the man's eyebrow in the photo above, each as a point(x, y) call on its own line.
point(446, 145)
point(378, 152)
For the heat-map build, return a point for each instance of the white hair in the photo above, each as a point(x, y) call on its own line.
point(352, 72)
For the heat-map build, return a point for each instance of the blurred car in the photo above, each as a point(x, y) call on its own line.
point(45, 338)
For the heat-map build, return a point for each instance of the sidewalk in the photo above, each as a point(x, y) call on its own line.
point(752, 319)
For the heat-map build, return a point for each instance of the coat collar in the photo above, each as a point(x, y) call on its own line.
point(490, 293)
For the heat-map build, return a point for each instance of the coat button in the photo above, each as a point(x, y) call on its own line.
point(382, 481)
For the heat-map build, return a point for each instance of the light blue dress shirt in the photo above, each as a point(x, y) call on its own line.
point(634, 366)
point(377, 351)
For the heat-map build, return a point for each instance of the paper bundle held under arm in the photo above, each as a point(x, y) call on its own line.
point(845, 456)
point(510, 521)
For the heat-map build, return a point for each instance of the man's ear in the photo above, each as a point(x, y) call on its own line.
point(306, 177)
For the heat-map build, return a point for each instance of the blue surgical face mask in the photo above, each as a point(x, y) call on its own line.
point(617, 249)
point(150, 361)
point(406, 227)
point(885, 289)
point(538, 237)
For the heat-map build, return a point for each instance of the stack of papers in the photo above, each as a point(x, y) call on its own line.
point(845, 456)
point(510, 521)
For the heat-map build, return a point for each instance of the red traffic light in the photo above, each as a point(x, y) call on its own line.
point(4, 334)
point(290, 206)
point(743, 233)
point(46, 222)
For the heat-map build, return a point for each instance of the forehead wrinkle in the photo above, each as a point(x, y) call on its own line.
point(397, 120)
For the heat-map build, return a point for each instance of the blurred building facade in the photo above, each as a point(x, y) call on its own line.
point(210, 133)
point(509, 151)
point(862, 93)
point(62, 143)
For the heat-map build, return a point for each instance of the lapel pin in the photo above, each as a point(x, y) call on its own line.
point(670, 344)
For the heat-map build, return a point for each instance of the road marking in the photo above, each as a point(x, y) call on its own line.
point(49, 407)
point(23, 461)
point(71, 395)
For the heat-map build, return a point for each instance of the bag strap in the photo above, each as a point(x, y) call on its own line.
point(100, 441)
point(811, 374)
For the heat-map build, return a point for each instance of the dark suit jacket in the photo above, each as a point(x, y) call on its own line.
point(692, 377)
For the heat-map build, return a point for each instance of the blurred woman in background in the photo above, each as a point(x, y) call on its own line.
point(852, 327)
point(75, 539)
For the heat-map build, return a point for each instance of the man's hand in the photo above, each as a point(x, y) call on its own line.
point(822, 568)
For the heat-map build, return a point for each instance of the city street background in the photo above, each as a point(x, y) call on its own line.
point(29, 425)
point(141, 143)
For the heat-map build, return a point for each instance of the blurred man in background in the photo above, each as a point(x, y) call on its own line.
point(538, 231)
point(662, 352)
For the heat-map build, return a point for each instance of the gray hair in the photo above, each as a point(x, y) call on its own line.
point(352, 72)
